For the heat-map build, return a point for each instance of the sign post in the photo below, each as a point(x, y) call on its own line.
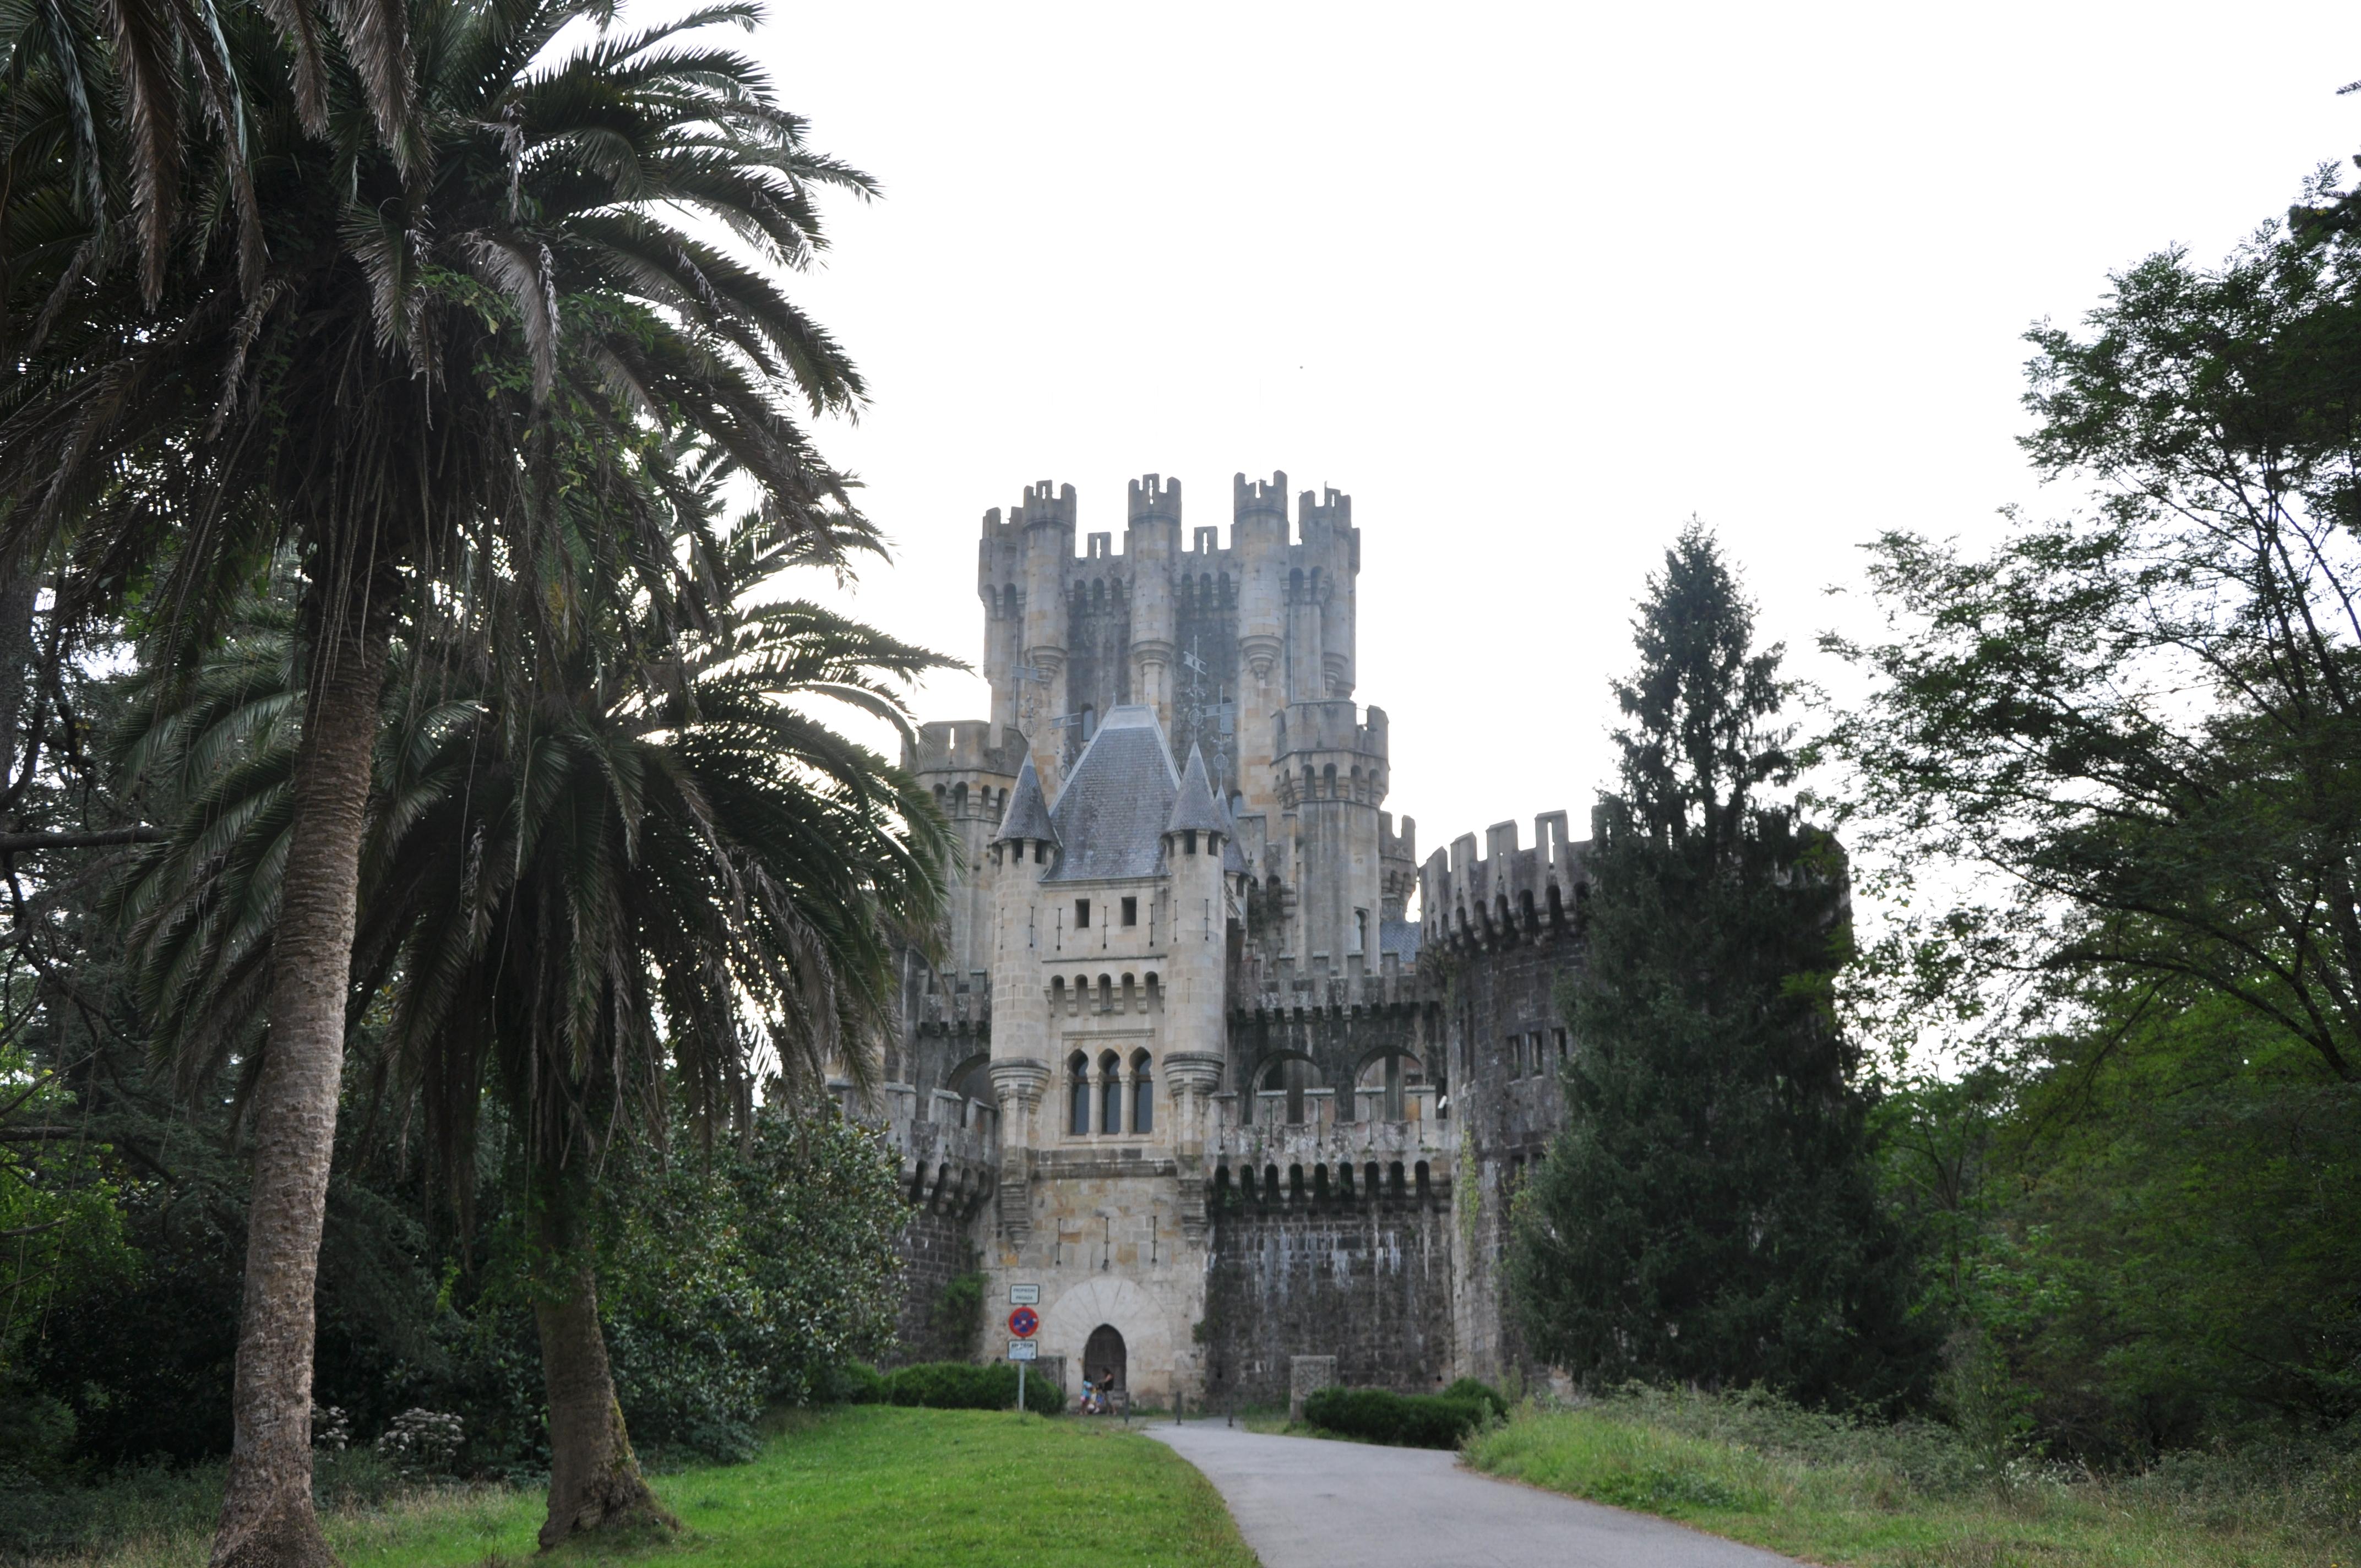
point(1023, 1324)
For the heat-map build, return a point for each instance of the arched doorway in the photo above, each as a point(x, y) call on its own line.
point(1103, 1357)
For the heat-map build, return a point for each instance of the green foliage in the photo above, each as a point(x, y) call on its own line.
point(957, 1316)
point(850, 1383)
point(747, 1276)
point(2130, 740)
point(963, 1386)
point(1709, 1213)
point(1833, 1488)
point(1402, 1420)
point(1475, 1389)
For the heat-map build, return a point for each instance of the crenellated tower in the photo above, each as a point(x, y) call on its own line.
point(1330, 774)
point(1177, 1063)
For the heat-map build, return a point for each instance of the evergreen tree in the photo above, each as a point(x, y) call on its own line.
point(1709, 1213)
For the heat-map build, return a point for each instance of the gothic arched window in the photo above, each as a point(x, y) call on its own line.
point(1078, 1116)
point(1110, 1094)
point(1143, 1095)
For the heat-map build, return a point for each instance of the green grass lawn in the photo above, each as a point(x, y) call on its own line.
point(1856, 1512)
point(852, 1488)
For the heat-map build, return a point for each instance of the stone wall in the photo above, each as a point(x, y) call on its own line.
point(1366, 1282)
point(1505, 1034)
point(936, 1248)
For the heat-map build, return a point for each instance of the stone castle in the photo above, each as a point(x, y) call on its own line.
point(1181, 1058)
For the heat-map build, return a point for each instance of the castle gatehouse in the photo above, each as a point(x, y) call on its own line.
point(1181, 1058)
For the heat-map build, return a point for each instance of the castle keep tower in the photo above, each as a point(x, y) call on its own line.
point(1174, 1059)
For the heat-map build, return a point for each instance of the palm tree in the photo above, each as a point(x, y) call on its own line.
point(576, 895)
point(462, 354)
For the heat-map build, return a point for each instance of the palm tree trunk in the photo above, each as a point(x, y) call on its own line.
point(594, 1477)
point(268, 1519)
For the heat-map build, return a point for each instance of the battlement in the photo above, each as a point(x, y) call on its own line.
point(1336, 1155)
point(1155, 496)
point(1393, 845)
point(1327, 509)
point(948, 1148)
point(1043, 509)
point(1334, 725)
point(1278, 986)
point(964, 746)
point(1510, 893)
point(1259, 499)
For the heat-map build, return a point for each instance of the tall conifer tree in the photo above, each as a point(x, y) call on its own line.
point(1709, 1214)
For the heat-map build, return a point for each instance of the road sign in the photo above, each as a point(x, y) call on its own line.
point(1025, 1295)
point(1023, 1350)
point(1024, 1321)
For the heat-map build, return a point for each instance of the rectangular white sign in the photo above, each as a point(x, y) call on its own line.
point(1023, 1350)
point(1025, 1295)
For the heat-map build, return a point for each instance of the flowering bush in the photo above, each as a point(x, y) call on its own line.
point(424, 1445)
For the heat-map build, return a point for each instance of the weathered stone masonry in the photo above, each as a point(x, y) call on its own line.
point(1185, 1062)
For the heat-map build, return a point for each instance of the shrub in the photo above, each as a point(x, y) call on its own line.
point(1404, 1420)
point(849, 1383)
point(957, 1386)
point(1470, 1390)
point(1042, 1396)
point(424, 1445)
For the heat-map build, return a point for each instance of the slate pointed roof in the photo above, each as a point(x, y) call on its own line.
point(1110, 817)
point(1028, 813)
point(1194, 807)
point(1234, 859)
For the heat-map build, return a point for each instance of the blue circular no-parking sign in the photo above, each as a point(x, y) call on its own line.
point(1023, 1322)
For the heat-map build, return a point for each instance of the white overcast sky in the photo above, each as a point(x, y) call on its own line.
point(1533, 283)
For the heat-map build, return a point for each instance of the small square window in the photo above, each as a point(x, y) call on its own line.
point(1131, 912)
point(1082, 914)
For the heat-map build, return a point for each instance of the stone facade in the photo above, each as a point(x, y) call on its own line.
point(1182, 1058)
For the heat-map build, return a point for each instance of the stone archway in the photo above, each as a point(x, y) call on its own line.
point(1140, 1325)
point(1104, 1358)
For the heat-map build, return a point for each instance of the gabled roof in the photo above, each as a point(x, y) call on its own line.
point(1028, 813)
point(1110, 817)
point(1194, 807)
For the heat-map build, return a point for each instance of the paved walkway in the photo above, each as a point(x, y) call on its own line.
point(1304, 1503)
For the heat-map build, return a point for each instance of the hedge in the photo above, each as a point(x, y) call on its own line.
point(1405, 1421)
point(1474, 1389)
point(958, 1385)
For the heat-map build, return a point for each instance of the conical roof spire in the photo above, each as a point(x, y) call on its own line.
point(1028, 813)
point(1234, 859)
point(1195, 807)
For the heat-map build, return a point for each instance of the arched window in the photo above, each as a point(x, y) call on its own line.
point(1293, 1074)
point(1143, 1094)
point(1110, 1093)
point(1078, 1117)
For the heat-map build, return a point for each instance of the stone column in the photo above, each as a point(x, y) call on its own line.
point(1018, 1082)
point(1193, 1075)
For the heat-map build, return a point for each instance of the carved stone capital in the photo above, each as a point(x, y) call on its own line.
point(1192, 1072)
point(1018, 1081)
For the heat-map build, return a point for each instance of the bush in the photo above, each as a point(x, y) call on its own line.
point(1404, 1420)
point(1470, 1390)
point(957, 1386)
point(848, 1383)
